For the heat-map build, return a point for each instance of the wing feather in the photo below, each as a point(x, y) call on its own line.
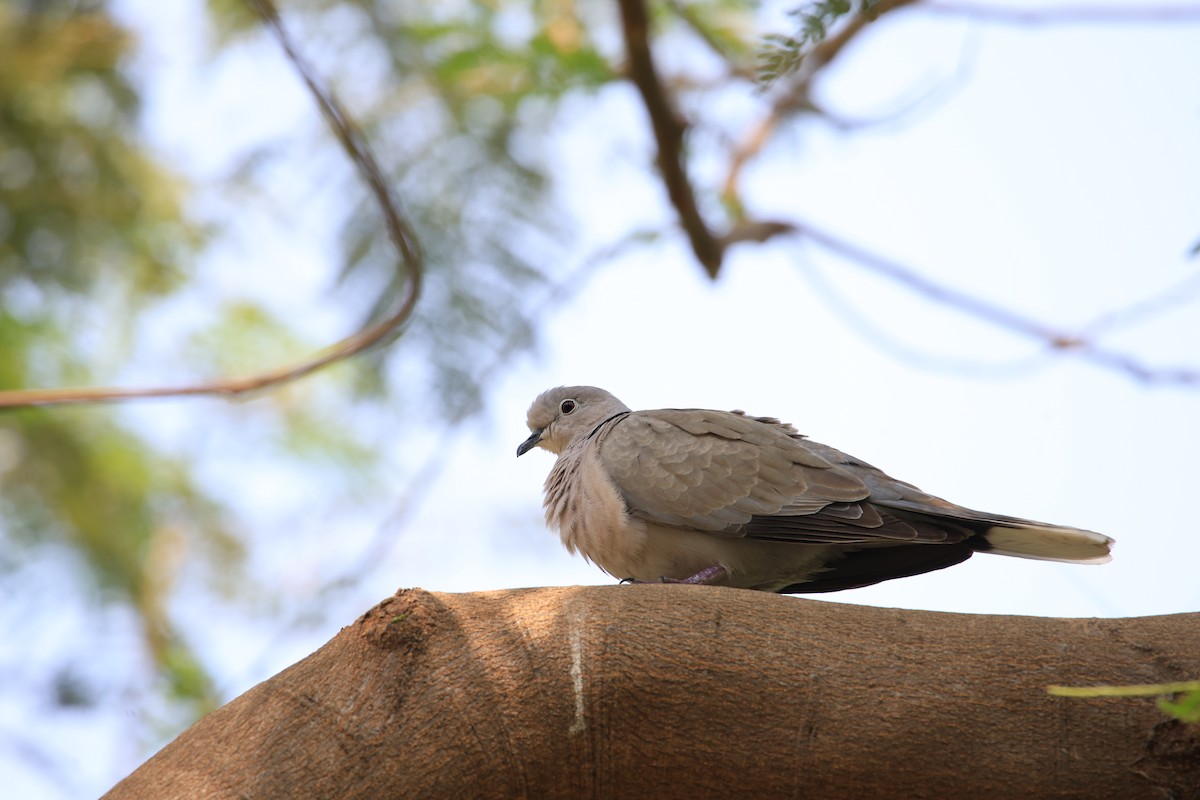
point(716, 471)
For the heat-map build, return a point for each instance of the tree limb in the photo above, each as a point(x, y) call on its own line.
point(399, 231)
point(668, 135)
point(682, 691)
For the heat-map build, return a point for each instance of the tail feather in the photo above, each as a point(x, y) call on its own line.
point(1049, 543)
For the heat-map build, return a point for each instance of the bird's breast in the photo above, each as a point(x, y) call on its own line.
point(587, 510)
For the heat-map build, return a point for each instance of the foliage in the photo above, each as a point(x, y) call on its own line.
point(782, 55)
point(90, 223)
point(455, 98)
point(82, 204)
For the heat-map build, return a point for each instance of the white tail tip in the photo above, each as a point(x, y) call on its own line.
point(1051, 543)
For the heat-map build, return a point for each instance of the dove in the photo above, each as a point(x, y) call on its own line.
point(720, 497)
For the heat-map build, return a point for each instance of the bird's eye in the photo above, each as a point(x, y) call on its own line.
point(567, 406)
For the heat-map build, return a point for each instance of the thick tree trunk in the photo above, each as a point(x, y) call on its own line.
point(695, 691)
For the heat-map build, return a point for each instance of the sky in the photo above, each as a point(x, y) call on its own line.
point(1052, 170)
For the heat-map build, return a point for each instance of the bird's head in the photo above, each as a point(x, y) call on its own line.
point(565, 413)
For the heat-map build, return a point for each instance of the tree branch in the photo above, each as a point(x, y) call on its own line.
point(359, 151)
point(686, 691)
point(1076, 344)
point(668, 135)
point(796, 93)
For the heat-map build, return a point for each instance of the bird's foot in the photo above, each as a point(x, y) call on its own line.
point(704, 577)
point(708, 575)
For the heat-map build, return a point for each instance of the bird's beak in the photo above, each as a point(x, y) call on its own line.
point(530, 443)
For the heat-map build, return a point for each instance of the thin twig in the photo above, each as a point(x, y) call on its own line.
point(430, 471)
point(357, 149)
point(1184, 291)
point(876, 333)
point(926, 102)
point(972, 305)
point(796, 94)
point(1062, 341)
point(820, 55)
point(751, 145)
point(1070, 15)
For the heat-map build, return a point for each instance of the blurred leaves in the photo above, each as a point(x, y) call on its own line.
point(782, 55)
point(80, 201)
point(244, 338)
point(456, 120)
point(455, 100)
point(91, 230)
point(726, 26)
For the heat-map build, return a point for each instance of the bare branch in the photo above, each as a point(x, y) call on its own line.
point(1077, 344)
point(1183, 291)
point(883, 337)
point(924, 101)
point(668, 135)
point(357, 149)
point(755, 231)
point(751, 145)
point(825, 51)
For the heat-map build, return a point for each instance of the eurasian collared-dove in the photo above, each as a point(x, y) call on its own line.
point(697, 496)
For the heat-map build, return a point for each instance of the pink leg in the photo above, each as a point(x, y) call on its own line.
point(708, 575)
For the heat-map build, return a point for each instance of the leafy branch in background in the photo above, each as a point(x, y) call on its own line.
point(458, 108)
point(90, 223)
point(398, 232)
point(807, 54)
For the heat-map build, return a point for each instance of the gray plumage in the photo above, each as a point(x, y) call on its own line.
point(721, 497)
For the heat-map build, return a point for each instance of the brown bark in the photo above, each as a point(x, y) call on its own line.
point(686, 691)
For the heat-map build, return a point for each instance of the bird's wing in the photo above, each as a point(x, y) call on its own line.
point(728, 473)
point(718, 471)
point(893, 512)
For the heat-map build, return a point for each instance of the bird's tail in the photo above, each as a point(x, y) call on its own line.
point(1048, 543)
